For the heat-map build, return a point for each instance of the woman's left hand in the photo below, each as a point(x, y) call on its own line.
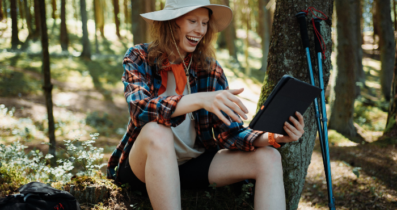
point(294, 131)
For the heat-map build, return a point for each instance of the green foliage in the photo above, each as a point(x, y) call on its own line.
point(369, 117)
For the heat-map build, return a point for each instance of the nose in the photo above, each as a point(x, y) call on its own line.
point(200, 29)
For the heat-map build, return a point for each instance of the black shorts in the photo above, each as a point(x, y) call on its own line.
point(193, 174)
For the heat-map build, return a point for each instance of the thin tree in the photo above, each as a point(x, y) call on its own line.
point(100, 6)
point(28, 16)
point(53, 14)
point(265, 27)
point(47, 87)
point(287, 56)
point(386, 45)
point(5, 9)
point(116, 10)
point(343, 91)
point(96, 26)
point(14, 21)
point(360, 78)
point(230, 37)
point(395, 14)
point(64, 38)
point(1, 11)
point(138, 25)
point(391, 123)
point(36, 19)
point(85, 41)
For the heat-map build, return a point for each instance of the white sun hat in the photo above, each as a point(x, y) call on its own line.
point(221, 15)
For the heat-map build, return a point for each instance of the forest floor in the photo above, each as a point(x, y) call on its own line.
point(88, 98)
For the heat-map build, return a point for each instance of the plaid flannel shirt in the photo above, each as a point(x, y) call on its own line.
point(141, 85)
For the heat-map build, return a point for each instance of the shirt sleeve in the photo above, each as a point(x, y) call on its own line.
point(143, 106)
point(235, 136)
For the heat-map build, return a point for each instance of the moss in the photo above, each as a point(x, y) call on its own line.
point(11, 178)
point(391, 123)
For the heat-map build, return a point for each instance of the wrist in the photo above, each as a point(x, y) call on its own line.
point(262, 140)
point(272, 140)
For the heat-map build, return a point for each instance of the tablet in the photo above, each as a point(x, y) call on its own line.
point(288, 96)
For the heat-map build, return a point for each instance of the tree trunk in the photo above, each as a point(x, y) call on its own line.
point(287, 56)
point(28, 16)
point(138, 23)
point(360, 78)
point(14, 21)
point(96, 26)
point(5, 9)
point(21, 11)
point(230, 37)
point(265, 30)
point(386, 45)
point(116, 16)
point(391, 124)
point(343, 91)
point(375, 23)
point(100, 5)
point(64, 39)
point(1, 10)
point(395, 14)
point(47, 80)
point(36, 19)
point(85, 41)
point(127, 19)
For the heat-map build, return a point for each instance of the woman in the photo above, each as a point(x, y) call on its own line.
point(182, 112)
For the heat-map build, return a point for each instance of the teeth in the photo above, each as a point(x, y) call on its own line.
point(193, 39)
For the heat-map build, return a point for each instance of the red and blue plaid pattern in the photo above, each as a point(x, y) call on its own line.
point(141, 85)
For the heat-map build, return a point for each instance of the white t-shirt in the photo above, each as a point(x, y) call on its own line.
point(184, 133)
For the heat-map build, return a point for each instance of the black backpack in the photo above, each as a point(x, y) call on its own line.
point(39, 196)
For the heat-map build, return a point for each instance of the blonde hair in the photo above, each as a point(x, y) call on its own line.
point(162, 45)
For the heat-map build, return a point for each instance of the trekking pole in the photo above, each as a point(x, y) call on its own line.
point(318, 49)
point(305, 40)
point(301, 16)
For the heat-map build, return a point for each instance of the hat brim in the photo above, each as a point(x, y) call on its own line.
point(221, 15)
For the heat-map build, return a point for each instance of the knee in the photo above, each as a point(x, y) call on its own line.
point(157, 137)
point(268, 159)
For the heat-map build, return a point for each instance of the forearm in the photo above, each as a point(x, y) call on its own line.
point(262, 140)
point(189, 103)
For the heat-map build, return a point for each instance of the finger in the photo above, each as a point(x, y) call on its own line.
point(221, 117)
point(300, 118)
point(229, 112)
point(296, 123)
point(236, 91)
point(236, 108)
point(238, 102)
point(292, 129)
point(291, 135)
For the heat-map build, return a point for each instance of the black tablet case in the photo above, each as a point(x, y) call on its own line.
point(288, 96)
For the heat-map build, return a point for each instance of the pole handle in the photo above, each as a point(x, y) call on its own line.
point(317, 44)
point(301, 16)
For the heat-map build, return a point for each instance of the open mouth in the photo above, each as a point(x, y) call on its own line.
point(193, 40)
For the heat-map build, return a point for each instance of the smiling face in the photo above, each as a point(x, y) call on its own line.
point(192, 28)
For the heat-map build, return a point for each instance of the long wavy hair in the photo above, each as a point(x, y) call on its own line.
point(162, 45)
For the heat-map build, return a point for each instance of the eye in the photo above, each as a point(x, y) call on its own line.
point(204, 24)
point(192, 21)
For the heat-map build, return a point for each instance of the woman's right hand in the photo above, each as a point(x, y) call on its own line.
point(226, 101)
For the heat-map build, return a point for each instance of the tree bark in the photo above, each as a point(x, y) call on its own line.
point(395, 14)
point(1, 10)
point(96, 26)
point(36, 19)
point(265, 30)
point(47, 80)
point(287, 56)
point(116, 10)
point(360, 78)
point(343, 91)
point(230, 37)
point(5, 9)
point(391, 123)
point(386, 45)
point(138, 23)
point(99, 6)
point(64, 39)
point(14, 20)
point(85, 41)
point(28, 16)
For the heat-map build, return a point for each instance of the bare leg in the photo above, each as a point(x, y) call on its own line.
point(153, 161)
point(263, 165)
